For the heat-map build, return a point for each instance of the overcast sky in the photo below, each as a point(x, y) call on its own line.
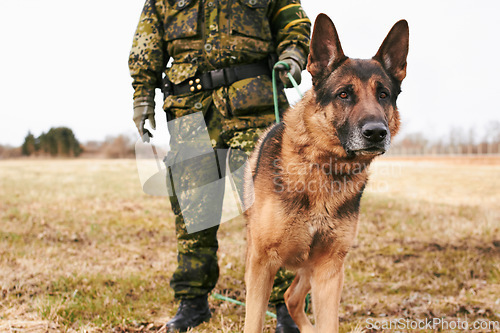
point(64, 63)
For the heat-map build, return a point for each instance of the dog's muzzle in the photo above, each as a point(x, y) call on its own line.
point(372, 138)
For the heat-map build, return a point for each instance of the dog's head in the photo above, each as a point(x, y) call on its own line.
point(358, 97)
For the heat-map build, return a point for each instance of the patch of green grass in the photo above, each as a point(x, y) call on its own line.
point(104, 300)
point(10, 237)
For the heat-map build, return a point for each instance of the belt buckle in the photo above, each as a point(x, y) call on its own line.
point(218, 78)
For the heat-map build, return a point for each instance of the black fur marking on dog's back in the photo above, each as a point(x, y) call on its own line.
point(276, 132)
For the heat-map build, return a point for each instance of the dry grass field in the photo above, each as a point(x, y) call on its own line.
point(82, 249)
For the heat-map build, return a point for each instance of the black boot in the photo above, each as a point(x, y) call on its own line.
point(285, 322)
point(191, 313)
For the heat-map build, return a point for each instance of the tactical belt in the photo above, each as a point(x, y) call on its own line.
point(217, 78)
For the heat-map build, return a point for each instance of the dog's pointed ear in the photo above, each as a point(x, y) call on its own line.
point(394, 50)
point(325, 49)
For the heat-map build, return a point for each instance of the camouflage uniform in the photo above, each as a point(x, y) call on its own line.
point(200, 36)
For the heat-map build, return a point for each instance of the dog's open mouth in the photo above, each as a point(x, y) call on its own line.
point(368, 151)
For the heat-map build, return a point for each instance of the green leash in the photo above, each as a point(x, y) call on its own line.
point(270, 314)
point(275, 88)
point(227, 299)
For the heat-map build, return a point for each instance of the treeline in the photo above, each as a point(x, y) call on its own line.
point(457, 142)
point(121, 146)
point(59, 141)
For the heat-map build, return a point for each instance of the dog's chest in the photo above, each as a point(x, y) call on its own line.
point(321, 225)
point(329, 224)
point(323, 235)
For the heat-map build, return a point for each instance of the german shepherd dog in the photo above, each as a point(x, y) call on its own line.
point(308, 174)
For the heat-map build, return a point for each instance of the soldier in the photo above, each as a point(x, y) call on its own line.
point(222, 53)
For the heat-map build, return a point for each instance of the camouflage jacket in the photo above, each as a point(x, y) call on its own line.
point(202, 35)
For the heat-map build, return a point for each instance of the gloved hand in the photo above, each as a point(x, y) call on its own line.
point(144, 108)
point(295, 70)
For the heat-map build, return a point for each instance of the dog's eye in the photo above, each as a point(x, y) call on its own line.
point(383, 95)
point(343, 95)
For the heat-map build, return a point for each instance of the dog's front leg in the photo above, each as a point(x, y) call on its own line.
point(259, 278)
point(326, 289)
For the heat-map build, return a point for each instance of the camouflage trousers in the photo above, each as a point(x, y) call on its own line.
point(198, 271)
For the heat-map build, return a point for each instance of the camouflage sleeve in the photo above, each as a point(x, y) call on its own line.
point(148, 56)
point(291, 28)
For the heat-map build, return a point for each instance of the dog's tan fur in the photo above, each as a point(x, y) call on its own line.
point(297, 221)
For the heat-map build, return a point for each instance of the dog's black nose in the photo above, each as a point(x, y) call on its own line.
point(374, 132)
